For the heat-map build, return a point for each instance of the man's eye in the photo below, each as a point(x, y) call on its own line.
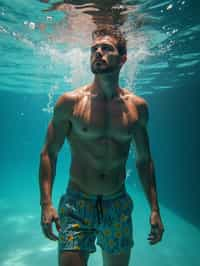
point(106, 48)
point(93, 49)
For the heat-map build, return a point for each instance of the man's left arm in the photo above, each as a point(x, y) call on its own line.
point(146, 171)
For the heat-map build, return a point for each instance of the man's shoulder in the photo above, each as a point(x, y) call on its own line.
point(139, 104)
point(70, 97)
point(138, 101)
point(66, 102)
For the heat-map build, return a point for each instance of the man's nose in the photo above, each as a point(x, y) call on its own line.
point(99, 52)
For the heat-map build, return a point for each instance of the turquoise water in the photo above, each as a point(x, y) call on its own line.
point(42, 55)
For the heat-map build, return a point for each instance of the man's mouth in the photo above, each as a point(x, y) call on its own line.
point(99, 61)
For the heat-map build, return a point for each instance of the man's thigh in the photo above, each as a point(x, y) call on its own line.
point(116, 233)
point(121, 259)
point(73, 258)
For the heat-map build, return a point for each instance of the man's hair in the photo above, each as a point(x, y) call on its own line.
point(114, 32)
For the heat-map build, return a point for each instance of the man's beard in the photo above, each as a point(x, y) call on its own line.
point(102, 69)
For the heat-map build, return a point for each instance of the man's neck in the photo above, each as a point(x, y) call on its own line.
point(106, 85)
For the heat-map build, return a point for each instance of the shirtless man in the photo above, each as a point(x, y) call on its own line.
point(99, 121)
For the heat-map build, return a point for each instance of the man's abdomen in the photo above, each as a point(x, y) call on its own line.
point(99, 180)
point(98, 165)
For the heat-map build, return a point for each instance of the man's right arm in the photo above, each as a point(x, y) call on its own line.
point(48, 158)
point(57, 130)
point(56, 133)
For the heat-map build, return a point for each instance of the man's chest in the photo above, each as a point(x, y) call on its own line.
point(97, 118)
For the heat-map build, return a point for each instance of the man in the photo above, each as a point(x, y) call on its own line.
point(99, 120)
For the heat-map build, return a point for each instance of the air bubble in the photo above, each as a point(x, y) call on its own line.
point(49, 18)
point(32, 25)
point(169, 7)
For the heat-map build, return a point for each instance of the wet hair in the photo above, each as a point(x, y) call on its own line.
point(114, 32)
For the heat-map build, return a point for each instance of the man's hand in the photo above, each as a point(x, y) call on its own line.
point(157, 228)
point(49, 215)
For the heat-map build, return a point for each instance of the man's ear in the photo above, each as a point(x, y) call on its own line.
point(123, 59)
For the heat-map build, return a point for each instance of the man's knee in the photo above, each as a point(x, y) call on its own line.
point(73, 258)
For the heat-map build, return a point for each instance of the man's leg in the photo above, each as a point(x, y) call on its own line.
point(73, 258)
point(77, 235)
point(116, 235)
point(121, 259)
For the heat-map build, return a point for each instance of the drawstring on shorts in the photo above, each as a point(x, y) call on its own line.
point(99, 208)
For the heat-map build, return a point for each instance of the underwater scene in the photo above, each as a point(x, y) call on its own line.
point(45, 52)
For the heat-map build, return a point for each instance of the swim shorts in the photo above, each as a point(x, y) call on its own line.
point(86, 218)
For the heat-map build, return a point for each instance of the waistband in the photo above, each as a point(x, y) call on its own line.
point(73, 189)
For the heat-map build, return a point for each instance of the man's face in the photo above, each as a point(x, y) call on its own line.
point(105, 57)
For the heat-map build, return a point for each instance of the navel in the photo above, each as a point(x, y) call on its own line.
point(85, 129)
point(102, 176)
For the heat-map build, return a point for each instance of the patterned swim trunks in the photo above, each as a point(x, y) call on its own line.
point(85, 218)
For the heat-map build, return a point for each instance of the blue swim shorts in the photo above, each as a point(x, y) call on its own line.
point(86, 218)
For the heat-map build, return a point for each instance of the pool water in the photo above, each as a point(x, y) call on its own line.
point(44, 54)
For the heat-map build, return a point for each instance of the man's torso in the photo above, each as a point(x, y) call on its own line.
point(100, 136)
